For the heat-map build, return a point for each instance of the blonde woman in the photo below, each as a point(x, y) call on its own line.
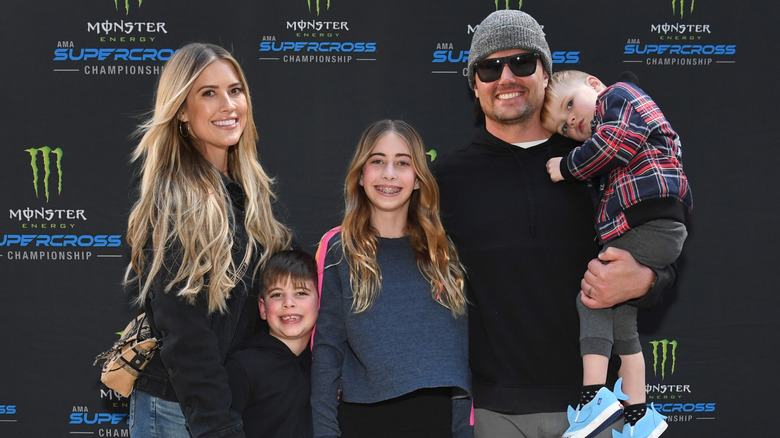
point(390, 348)
point(199, 231)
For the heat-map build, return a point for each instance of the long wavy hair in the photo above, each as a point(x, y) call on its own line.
point(434, 252)
point(183, 204)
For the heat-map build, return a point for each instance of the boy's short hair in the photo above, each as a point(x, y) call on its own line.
point(559, 81)
point(294, 265)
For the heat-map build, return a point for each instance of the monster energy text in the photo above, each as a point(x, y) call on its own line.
point(317, 25)
point(668, 391)
point(46, 214)
point(667, 28)
point(126, 39)
point(127, 27)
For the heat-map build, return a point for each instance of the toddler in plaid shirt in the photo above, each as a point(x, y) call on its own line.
point(632, 157)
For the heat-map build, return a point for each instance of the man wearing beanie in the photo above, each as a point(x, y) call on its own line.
point(526, 242)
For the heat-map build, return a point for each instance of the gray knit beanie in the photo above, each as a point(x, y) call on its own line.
point(505, 30)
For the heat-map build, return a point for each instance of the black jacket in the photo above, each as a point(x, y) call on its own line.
point(271, 388)
point(189, 369)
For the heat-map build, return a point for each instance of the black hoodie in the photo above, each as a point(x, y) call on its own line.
point(525, 242)
point(271, 388)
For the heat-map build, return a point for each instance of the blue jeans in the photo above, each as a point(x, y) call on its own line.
point(153, 417)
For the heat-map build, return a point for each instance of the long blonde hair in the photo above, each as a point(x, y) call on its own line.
point(183, 202)
point(435, 254)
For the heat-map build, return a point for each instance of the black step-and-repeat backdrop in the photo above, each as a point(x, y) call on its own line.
point(77, 77)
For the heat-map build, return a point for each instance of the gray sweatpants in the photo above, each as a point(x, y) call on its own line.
point(655, 244)
point(489, 424)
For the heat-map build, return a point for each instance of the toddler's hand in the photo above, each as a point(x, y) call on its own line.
point(554, 169)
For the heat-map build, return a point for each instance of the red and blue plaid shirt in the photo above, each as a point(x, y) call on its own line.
point(636, 153)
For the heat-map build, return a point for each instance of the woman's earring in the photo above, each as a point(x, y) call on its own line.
point(182, 130)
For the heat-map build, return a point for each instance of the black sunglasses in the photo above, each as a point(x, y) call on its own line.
point(520, 64)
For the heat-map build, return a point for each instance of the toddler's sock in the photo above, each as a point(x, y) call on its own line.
point(588, 392)
point(634, 413)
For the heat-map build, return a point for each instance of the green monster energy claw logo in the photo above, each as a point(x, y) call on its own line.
point(665, 354)
point(317, 5)
point(127, 5)
point(682, 7)
point(46, 153)
point(432, 153)
point(519, 4)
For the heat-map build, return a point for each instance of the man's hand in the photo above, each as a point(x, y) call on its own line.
point(613, 278)
point(554, 169)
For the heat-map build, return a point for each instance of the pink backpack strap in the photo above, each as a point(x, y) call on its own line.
point(322, 251)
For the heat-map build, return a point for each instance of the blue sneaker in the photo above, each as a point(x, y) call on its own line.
point(587, 421)
point(652, 425)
